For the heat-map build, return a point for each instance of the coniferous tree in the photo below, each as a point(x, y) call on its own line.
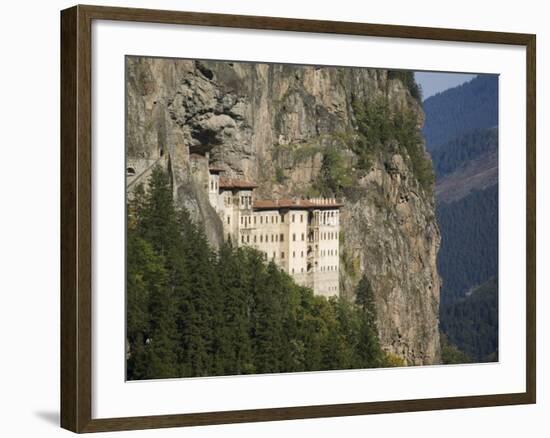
point(192, 312)
point(149, 287)
point(371, 355)
point(236, 351)
point(198, 302)
point(268, 335)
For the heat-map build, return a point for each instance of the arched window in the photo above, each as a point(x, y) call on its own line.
point(130, 171)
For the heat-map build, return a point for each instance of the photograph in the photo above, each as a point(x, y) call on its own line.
point(285, 218)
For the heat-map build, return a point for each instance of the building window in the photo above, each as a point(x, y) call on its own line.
point(302, 254)
point(272, 219)
point(272, 238)
point(254, 220)
point(282, 237)
point(254, 238)
point(303, 237)
point(261, 238)
point(293, 254)
point(292, 218)
point(130, 171)
point(242, 239)
point(283, 255)
point(242, 219)
point(282, 218)
point(294, 237)
point(293, 270)
point(247, 239)
point(301, 218)
point(273, 255)
point(211, 185)
point(228, 220)
point(276, 238)
point(302, 270)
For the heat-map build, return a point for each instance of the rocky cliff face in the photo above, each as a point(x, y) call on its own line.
point(272, 124)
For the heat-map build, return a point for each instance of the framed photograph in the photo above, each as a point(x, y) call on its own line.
point(269, 219)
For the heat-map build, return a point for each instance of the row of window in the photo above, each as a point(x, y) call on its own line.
point(331, 235)
point(260, 238)
point(213, 185)
point(246, 200)
point(329, 268)
point(281, 238)
point(301, 270)
point(254, 220)
point(249, 220)
point(326, 216)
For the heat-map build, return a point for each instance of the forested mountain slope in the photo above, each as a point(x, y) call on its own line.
point(471, 323)
point(299, 131)
point(451, 114)
point(461, 131)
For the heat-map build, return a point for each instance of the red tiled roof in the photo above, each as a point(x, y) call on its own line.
point(293, 204)
point(228, 183)
point(215, 169)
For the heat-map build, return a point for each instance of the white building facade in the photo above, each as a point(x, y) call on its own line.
point(300, 236)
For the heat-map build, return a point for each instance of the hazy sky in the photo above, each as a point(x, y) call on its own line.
point(433, 83)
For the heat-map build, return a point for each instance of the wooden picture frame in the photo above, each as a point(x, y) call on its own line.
point(76, 218)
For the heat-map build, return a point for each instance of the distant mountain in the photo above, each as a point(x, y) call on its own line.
point(459, 151)
point(454, 112)
point(466, 164)
point(468, 255)
point(471, 323)
point(461, 131)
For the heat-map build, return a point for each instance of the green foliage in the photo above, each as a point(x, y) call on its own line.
point(472, 322)
point(450, 354)
point(408, 80)
point(470, 106)
point(194, 312)
point(280, 177)
point(469, 246)
point(370, 345)
point(334, 176)
point(381, 131)
point(463, 149)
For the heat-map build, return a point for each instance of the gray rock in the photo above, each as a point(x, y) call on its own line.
point(263, 122)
